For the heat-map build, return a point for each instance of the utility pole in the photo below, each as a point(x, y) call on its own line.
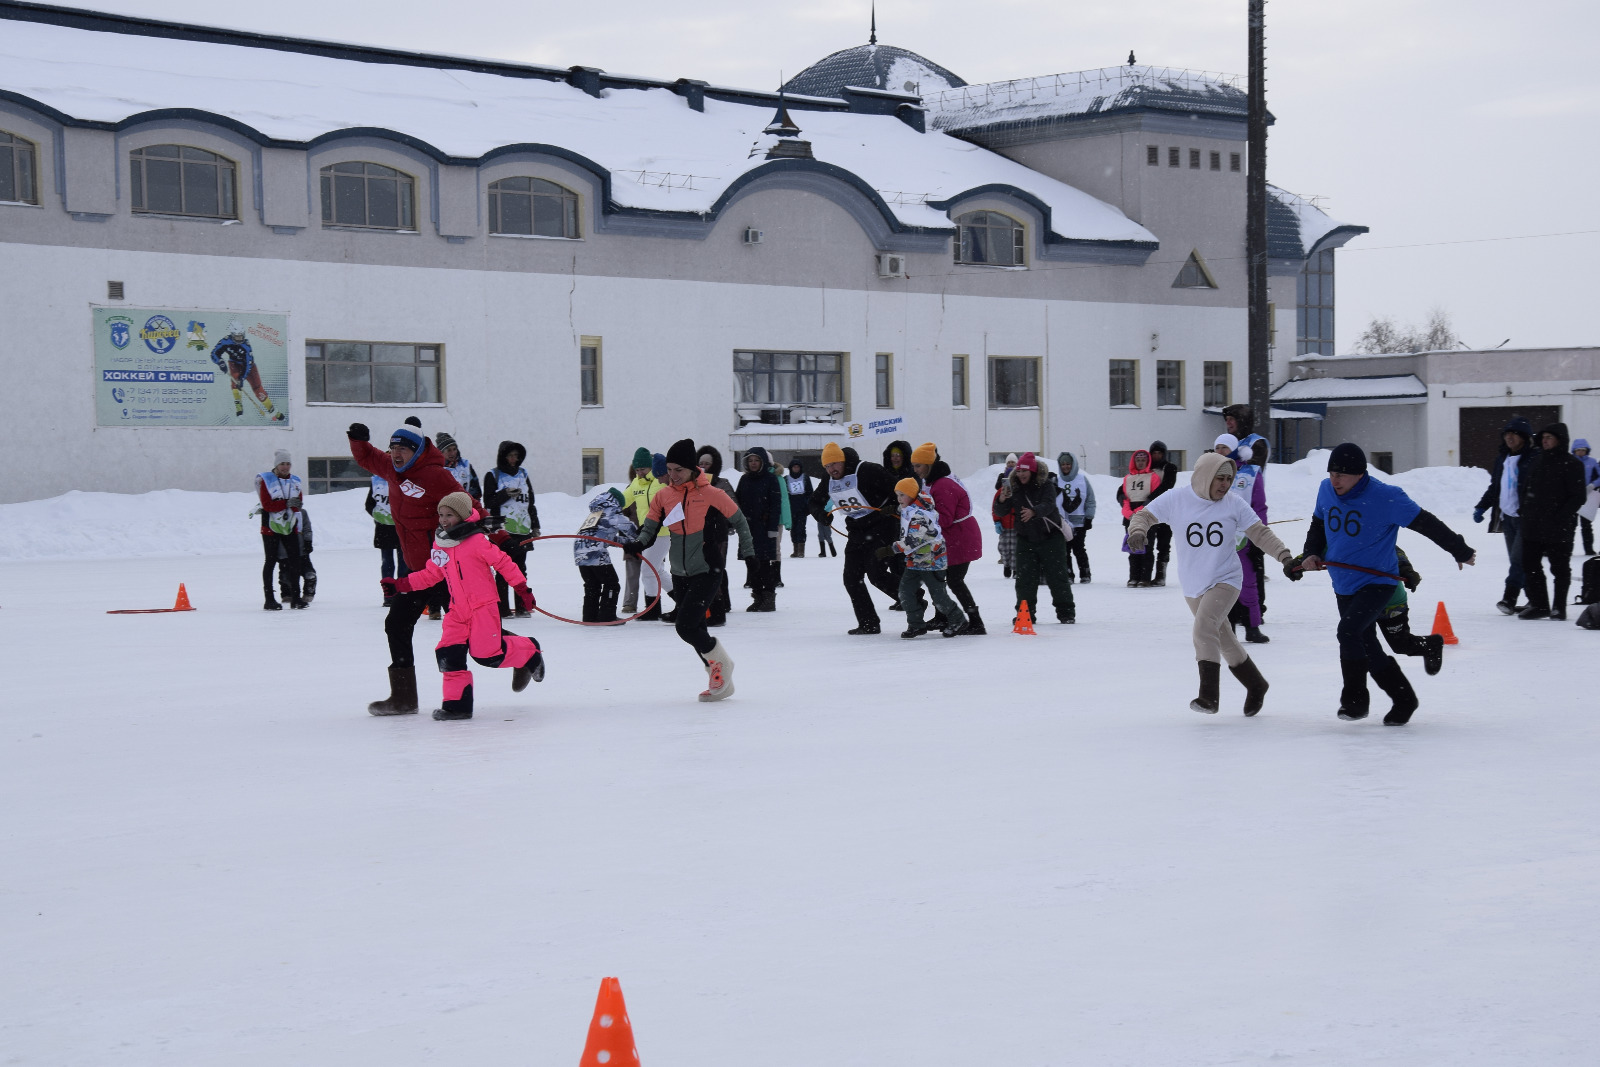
point(1255, 230)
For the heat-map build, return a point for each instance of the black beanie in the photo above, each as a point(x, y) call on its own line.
point(1347, 459)
point(683, 454)
point(412, 420)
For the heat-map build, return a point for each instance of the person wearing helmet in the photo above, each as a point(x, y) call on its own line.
point(233, 357)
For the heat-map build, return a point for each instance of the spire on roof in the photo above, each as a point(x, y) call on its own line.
point(788, 144)
point(874, 38)
point(782, 125)
point(1130, 57)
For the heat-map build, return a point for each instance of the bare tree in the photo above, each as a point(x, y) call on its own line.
point(1384, 335)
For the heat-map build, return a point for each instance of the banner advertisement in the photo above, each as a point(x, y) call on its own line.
point(195, 367)
point(887, 424)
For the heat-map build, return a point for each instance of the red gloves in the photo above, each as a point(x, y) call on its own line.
point(524, 597)
point(403, 584)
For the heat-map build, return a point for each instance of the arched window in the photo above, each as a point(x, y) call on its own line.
point(368, 195)
point(17, 182)
point(990, 237)
point(170, 179)
point(532, 207)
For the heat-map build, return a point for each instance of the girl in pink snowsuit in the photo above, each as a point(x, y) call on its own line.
point(467, 561)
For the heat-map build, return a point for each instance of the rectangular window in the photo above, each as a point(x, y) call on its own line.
point(368, 372)
point(1216, 161)
point(1152, 155)
point(1124, 383)
point(1179, 457)
point(1013, 382)
point(883, 378)
point(1314, 318)
point(1169, 383)
point(594, 467)
point(1172, 157)
point(333, 474)
point(999, 457)
point(1218, 384)
point(589, 372)
point(17, 182)
point(1233, 161)
point(783, 387)
point(1272, 325)
point(1194, 159)
point(1384, 461)
point(958, 381)
point(1119, 463)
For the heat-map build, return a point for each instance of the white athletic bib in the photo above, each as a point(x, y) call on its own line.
point(1204, 536)
point(846, 496)
point(1138, 487)
point(287, 490)
point(514, 513)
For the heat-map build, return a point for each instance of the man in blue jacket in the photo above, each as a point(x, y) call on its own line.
point(1353, 531)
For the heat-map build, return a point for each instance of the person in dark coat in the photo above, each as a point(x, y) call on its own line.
point(797, 483)
point(513, 516)
point(1161, 533)
point(760, 498)
point(1501, 501)
point(710, 463)
point(1030, 496)
point(1549, 494)
point(863, 495)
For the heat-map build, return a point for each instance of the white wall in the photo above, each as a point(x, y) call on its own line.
point(511, 343)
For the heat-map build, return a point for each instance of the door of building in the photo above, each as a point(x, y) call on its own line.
point(1480, 430)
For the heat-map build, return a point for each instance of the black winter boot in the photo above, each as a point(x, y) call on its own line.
point(866, 629)
point(1161, 574)
point(1255, 686)
point(402, 698)
point(1558, 602)
point(1254, 635)
point(531, 671)
point(272, 604)
point(456, 709)
point(1354, 698)
point(1508, 602)
point(1210, 697)
point(1433, 653)
point(974, 627)
point(1392, 680)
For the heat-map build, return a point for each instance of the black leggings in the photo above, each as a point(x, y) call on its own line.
point(955, 580)
point(401, 622)
point(519, 555)
point(694, 594)
point(600, 591)
point(1078, 549)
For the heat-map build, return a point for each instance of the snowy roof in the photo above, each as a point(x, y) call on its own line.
point(1087, 93)
point(1324, 390)
point(1296, 227)
point(657, 152)
point(872, 66)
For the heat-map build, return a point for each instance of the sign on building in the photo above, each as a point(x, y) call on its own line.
point(195, 367)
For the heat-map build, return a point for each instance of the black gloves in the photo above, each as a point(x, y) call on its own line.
point(1292, 568)
point(358, 432)
point(633, 548)
point(1088, 524)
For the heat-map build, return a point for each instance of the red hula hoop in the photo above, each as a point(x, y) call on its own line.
point(603, 541)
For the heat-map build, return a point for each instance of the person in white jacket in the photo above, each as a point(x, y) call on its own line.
point(1206, 523)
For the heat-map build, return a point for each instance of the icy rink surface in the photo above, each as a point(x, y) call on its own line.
point(980, 851)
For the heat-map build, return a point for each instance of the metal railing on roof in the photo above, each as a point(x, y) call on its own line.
point(1077, 83)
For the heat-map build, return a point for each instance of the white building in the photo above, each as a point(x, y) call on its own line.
point(587, 262)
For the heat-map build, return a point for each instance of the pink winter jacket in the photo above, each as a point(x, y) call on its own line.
point(468, 567)
point(962, 538)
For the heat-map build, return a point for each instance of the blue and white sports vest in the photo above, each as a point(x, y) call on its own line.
point(380, 501)
point(514, 513)
point(285, 489)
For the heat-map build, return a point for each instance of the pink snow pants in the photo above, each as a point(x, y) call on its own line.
point(475, 630)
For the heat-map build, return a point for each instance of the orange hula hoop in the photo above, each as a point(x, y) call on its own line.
point(614, 544)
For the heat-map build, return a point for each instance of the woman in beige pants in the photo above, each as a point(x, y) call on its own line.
point(1208, 525)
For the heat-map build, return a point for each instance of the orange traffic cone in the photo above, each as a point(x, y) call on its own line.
point(1441, 625)
point(610, 1041)
point(182, 603)
point(1024, 623)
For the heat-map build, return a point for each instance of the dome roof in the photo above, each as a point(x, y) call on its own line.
point(872, 66)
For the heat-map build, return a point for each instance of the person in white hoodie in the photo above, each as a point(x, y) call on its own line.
point(1206, 521)
point(1077, 504)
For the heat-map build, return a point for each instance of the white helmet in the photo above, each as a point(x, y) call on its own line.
point(235, 328)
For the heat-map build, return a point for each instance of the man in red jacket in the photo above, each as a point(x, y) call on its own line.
point(418, 480)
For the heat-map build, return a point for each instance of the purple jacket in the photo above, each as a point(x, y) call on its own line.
point(962, 538)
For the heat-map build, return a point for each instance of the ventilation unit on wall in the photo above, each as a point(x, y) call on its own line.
point(752, 236)
point(114, 291)
point(891, 265)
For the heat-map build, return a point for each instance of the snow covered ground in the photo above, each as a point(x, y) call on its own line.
point(979, 851)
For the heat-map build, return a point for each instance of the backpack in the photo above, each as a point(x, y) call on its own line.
point(1590, 619)
point(1589, 592)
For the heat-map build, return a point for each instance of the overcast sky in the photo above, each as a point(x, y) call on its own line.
point(1430, 121)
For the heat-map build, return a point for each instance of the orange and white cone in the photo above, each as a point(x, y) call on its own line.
point(610, 1042)
point(719, 669)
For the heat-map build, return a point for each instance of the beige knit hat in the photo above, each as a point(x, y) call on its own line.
point(460, 503)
